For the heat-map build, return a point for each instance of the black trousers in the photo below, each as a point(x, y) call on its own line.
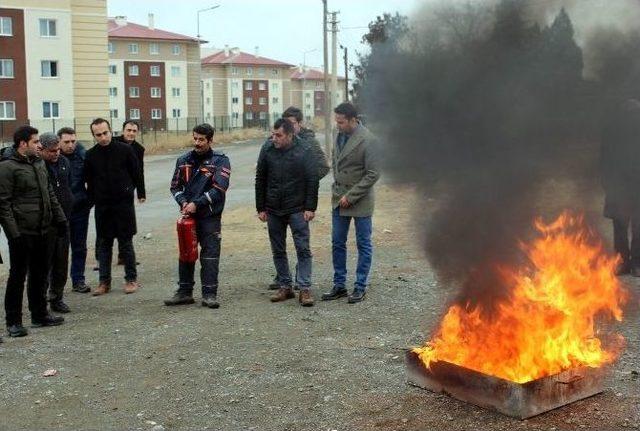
point(208, 231)
point(621, 239)
point(29, 256)
point(58, 266)
point(104, 253)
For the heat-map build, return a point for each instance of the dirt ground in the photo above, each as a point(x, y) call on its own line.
point(128, 362)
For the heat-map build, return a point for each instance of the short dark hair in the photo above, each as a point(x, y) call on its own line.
point(285, 125)
point(205, 129)
point(346, 109)
point(23, 133)
point(65, 131)
point(134, 122)
point(292, 111)
point(98, 121)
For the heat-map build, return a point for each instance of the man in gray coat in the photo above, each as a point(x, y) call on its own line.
point(355, 171)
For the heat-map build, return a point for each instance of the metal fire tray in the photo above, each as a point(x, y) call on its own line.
point(519, 400)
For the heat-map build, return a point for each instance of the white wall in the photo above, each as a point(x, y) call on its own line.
point(181, 82)
point(276, 108)
point(117, 80)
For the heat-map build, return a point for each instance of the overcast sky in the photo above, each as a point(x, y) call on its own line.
point(283, 30)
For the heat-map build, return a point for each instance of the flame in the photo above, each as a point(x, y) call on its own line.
point(548, 323)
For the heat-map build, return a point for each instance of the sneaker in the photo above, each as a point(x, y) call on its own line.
point(81, 288)
point(131, 287)
point(210, 301)
point(356, 296)
point(283, 294)
point(306, 298)
point(59, 306)
point(102, 289)
point(17, 330)
point(47, 320)
point(335, 293)
point(179, 299)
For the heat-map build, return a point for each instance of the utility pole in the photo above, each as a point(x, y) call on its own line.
point(334, 58)
point(346, 74)
point(327, 112)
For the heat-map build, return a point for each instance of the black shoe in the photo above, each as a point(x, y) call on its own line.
point(335, 293)
point(59, 306)
point(274, 286)
point(179, 299)
point(47, 320)
point(356, 296)
point(81, 288)
point(17, 330)
point(210, 301)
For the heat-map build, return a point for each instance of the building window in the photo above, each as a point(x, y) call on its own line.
point(7, 110)
point(134, 114)
point(208, 100)
point(176, 49)
point(248, 115)
point(50, 110)
point(134, 70)
point(274, 86)
point(262, 86)
point(307, 106)
point(319, 96)
point(319, 84)
point(6, 68)
point(234, 100)
point(175, 92)
point(156, 93)
point(110, 48)
point(156, 114)
point(154, 70)
point(249, 70)
point(134, 48)
point(235, 115)
point(275, 100)
point(134, 91)
point(248, 101)
point(263, 115)
point(113, 113)
point(175, 71)
point(262, 100)
point(49, 68)
point(248, 85)
point(176, 113)
point(112, 69)
point(113, 91)
point(307, 96)
point(234, 70)
point(275, 72)
point(154, 49)
point(6, 29)
point(208, 86)
point(261, 71)
point(234, 85)
point(48, 27)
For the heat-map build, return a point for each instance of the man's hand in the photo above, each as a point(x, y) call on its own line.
point(189, 208)
point(309, 215)
point(344, 202)
point(262, 216)
point(142, 200)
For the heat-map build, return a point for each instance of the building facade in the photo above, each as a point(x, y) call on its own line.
point(306, 91)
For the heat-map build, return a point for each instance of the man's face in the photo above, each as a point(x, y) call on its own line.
point(32, 147)
point(51, 154)
point(101, 133)
point(345, 125)
point(67, 143)
point(295, 123)
point(200, 143)
point(130, 132)
point(280, 138)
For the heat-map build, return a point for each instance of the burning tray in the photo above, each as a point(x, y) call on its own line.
point(519, 400)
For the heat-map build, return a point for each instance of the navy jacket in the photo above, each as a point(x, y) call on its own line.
point(78, 187)
point(60, 180)
point(207, 185)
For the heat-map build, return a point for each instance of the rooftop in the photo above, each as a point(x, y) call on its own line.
point(237, 57)
point(119, 27)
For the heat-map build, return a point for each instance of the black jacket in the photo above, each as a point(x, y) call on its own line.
point(309, 137)
point(286, 180)
point(78, 187)
point(60, 180)
point(138, 150)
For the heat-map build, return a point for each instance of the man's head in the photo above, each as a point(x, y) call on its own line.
point(294, 115)
point(67, 139)
point(202, 138)
point(130, 130)
point(346, 116)
point(282, 134)
point(26, 141)
point(101, 131)
point(50, 152)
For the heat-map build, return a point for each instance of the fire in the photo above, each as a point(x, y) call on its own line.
point(548, 324)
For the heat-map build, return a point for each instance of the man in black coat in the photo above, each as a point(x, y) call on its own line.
point(111, 173)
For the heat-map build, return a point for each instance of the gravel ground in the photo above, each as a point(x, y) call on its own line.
point(128, 362)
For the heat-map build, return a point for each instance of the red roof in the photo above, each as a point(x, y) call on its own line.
point(136, 31)
point(241, 58)
point(310, 74)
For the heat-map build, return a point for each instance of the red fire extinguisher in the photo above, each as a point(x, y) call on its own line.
point(187, 239)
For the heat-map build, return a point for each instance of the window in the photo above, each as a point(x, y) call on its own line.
point(156, 93)
point(319, 84)
point(275, 72)
point(275, 100)
point(275, 86)
point(248, 115)
point(7, 110)
point(261, 71)
point(208, 100)
point(262, 86)
point(249, 71)
point(234, 85)
point(175, 92)
point(50, 110)
point(113, 91)
point(113, 113)
point(262, 100)
point(134, 70)
point(175, 71)
point(134, 91)
point(156, 114)
point(248, 85)
point(176, 49)
point(319, 96)
point(307, 96)
point(234, 100)
point(263, 115)
point(208, 86)
point(235, 115)
point(154, 70)
point(112, 69)
point(49, 68)
point(154, 49)
point(234, 70)
point(134, 114)
point(110, 49)
point(134, 48)
point(47, 27)
point(307, 106)
point(6, 29)
point(6, 68)
point(176, 113)
point(248, 101)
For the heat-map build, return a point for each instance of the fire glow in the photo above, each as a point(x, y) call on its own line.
point(548, 324)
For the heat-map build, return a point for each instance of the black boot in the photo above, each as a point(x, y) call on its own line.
point(47, 320)
point(17, 330)
point(179, 298)
point(59, 306)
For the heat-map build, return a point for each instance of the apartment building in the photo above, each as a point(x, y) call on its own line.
point(154, 75)
point(306, 91)
point(52, 62)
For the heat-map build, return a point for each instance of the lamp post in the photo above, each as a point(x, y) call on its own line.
point(199, 42)
point(204, 10)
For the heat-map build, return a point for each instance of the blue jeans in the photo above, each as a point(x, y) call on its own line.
point(277, 226)
point(340, 231)
point(78, 226)
point(208, 233)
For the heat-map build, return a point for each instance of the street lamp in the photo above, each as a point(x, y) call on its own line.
point(204, 10)
point(200, 77)
point(304, 56)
